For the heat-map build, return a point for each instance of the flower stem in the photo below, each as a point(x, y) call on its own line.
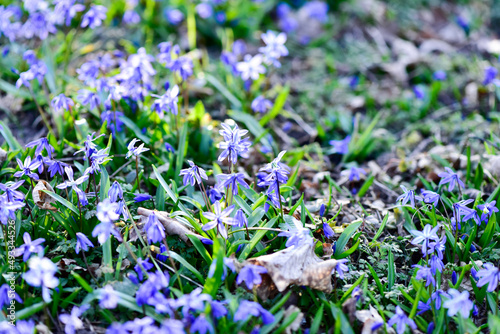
point(95, 189)
point(137, 173)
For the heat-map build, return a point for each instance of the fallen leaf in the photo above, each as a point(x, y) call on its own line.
point(172, 226)
point(369, 318)
point(293, 265)
point(42, 200)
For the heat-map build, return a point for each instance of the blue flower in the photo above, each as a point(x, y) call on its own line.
point(41, 274)
point(247, 309)
point(353, 173)
point(430, 197)
point(167, 102)
point(436, 297)
point(340, 267)
point(40, 144)
point(487, 210)
point(261, 104)
point(436, 264)
point(6, 295)
point(408, 195)
point(218, 219)
point(489, 275)
point(11, 192)
point(341, 146)
point(193, 174)
point(56, 167)
point(425, 237)
point(322, 210)
point(424, 307)
point(489, 75)
point(142, 197)
point(87, 97)
point(458, 302)
point(277, 174)
point(328, 231)
point(274, 47)
point(135, 150)
point(8, 209)
point(145, 264)
point(94, 16)
point(27, 167)
point(240, 219)
point(61, 102)
point(231, 181)
point(30, 247)
point(82, 242)
point(108, 297)
point(183, 66)
point(172, 326)
point(169, 148)
point(201, 325)
point(317, 10)
point(297, 236)
point(401, 320)
point(174, 16)
point(450, 177)
point(115, 192)
point(251, 67)
point(439, 75)
point(251, 275)
point(114, 121)
point(214, 194)
point(154, 229)
point(204, 10)
point(419, 92)
point(233, 145)
point(425, 273)
point(72, 321)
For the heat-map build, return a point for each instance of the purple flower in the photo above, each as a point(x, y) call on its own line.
point(41, 274)
point(247, 308)
point(89, 146)
point(115, 192)
point(56, 167)
point(183, 66)
point(463, 23)
point(82, 242)
point(297, 236)
point(94, 17)
point(172, 326)
point(38, 24)
point(231, 181)
point(201, 325)
point(489, 275)
point(261, 104)
point(6, 295)
point(436, 264)
point(401, 320)
point(408, 195)
point(354, 81)
point(40, 144)
point(11, 192)
point(419, 92)
point(489, 75)
point(131, 17)
point(61, 102)
point(340, 267)
point(341, 146)
point(425, 237)
point(154, 229)
point(204, 10)
point(71, 183)
point(430, 197)
point(328, 231)
point(487, 210)
point(322, 210)
point(106, 213)
point(72, 321)
point(87, 97)
point(145, 264)
point(240, 219)
point(195, 301)
point(67, 10)
point(108, 297)
point(275, 47)
point(214, 194)
point(174, 16)
point(424, 307)
point(114, 121)
point(425, 273)
point(450, 177)
point(251, 67)
point(142, 197)
point(27, 167)
point(30, 247)
point(277, 174)
point(436, 297)
point(8, 209)
point(353, 173)
point(458, 302)
point(193, 174)
point(251, 275)
point(167, 102)
point(135, 150)
point(317, 10)
point(233, 145)
point(169, 148)
point(218, 218)
point(439, 75)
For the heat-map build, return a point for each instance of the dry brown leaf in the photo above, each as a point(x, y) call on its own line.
point(42, 200)
point(172, 226)
point(370, 318)
point(294, 265)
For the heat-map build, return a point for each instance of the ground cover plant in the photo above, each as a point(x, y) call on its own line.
point(249, 167)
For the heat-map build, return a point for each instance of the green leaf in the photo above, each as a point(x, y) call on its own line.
point(345, 236)
point(366, 185)
point(379, 231)
point(9, 138)
point(223, 90)
point(62, 201)
point(317, 320)
point(188, 266)
point(29, 311)
point(82, 282)
point(181, 150)
point(277, 107)
point(256, 239)
point(104, 184)
point(391, 275)
point(351, 289)
point(132, 126)
point(376, 279)
point(489, 231)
